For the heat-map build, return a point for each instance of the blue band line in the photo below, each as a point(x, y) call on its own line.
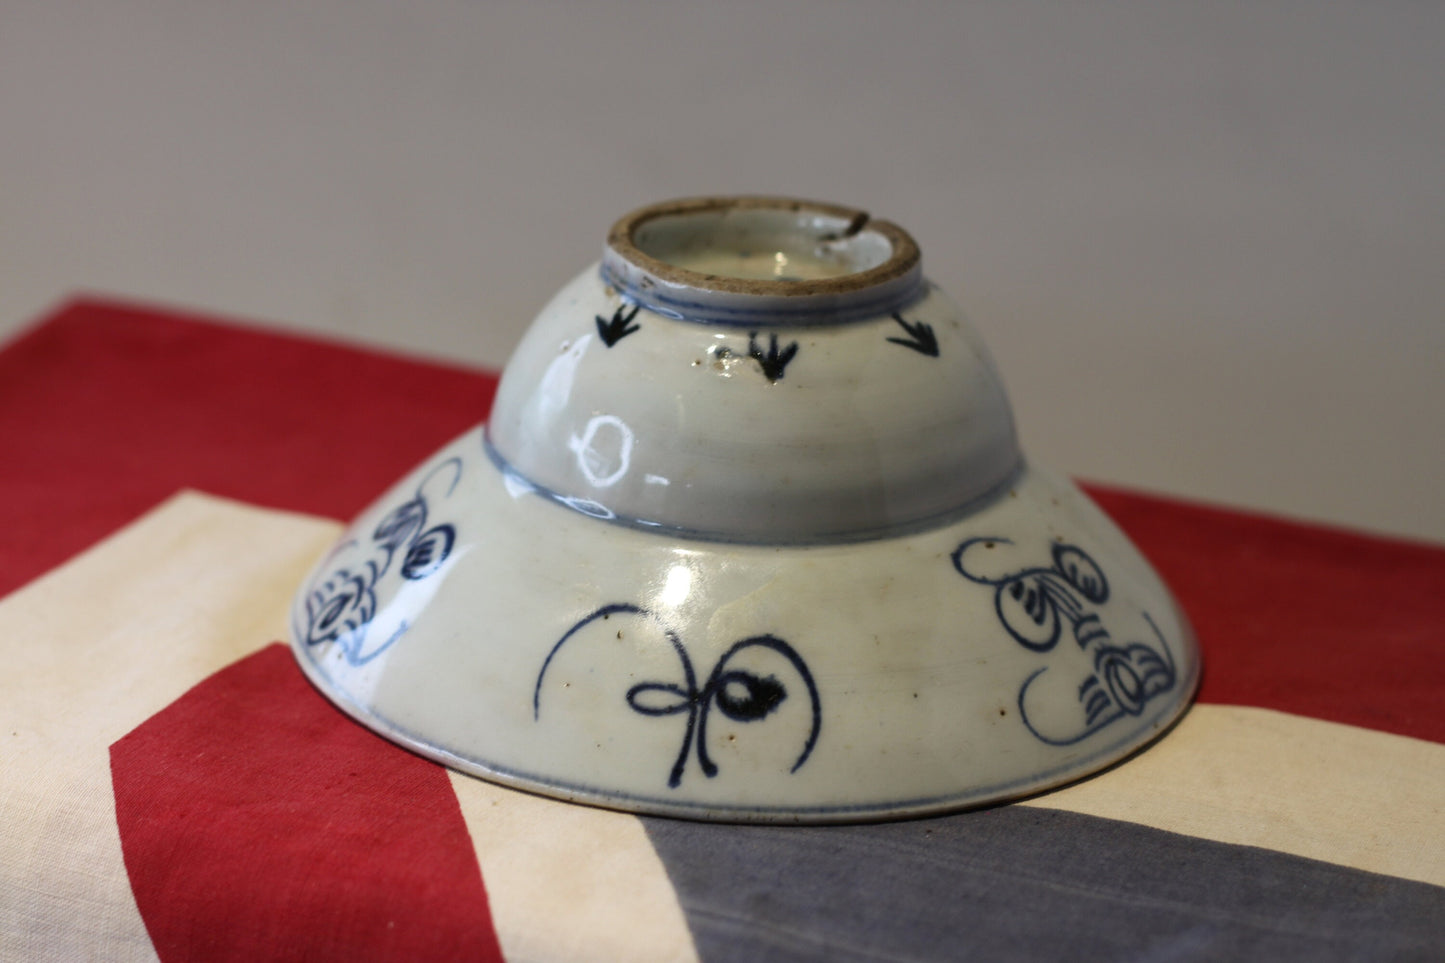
point(812, 311)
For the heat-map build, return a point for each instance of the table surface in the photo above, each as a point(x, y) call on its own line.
point(1203, 240)
point(172, 788)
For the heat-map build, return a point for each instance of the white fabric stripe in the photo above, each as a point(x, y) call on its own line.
point(569, 882)
point(92, 650)
point(1256, 777)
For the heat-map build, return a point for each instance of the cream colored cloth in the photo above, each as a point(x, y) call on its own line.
point(99, 645)
point(1255, 777)
point(96, 647)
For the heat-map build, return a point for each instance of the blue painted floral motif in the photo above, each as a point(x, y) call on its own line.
point(1071, 698)
point(342, 603)
point(738, 692)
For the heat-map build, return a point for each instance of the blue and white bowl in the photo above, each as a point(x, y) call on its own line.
point(749, 537)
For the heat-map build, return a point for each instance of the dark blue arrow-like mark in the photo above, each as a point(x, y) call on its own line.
point(619, 327)
point(774, 361)
point(920, 337)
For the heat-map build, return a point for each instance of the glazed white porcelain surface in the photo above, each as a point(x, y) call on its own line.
point(749, 537)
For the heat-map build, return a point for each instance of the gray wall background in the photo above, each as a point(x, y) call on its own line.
point(1205, 241)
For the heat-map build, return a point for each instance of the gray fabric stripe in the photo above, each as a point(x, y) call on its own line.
point(1020, 883)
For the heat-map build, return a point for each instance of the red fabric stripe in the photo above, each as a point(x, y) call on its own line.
point(1302, 618)
point(107, 410)
point(259, 823)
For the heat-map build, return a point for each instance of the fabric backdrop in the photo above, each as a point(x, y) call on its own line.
point(172, 788)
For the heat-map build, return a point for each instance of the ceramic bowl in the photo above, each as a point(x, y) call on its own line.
point(749, 537)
